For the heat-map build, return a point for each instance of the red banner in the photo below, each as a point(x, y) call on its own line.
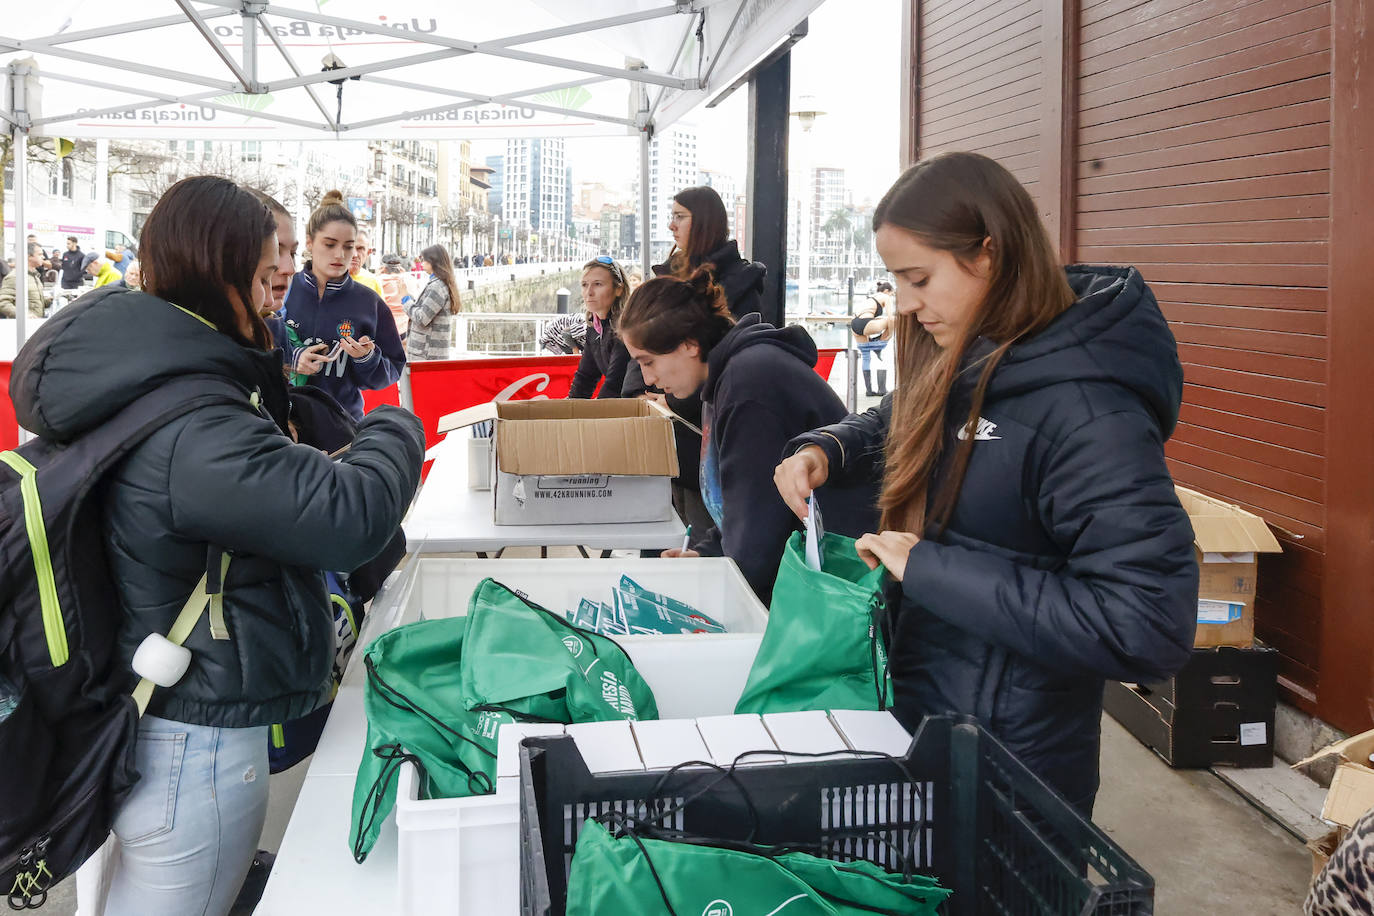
point(826, 361)
point(9, 426)
point(439, 387)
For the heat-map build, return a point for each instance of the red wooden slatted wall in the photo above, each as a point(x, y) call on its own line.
point(1203, 159)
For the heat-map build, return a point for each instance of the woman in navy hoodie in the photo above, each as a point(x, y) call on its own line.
point(759, 389)
point(335, 331)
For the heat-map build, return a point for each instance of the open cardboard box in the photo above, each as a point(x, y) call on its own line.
point(1227, 539)
point(577, 461)
point(1352, 788)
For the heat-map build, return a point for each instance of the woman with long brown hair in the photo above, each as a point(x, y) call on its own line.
point(1028, 513)
point(430, 313)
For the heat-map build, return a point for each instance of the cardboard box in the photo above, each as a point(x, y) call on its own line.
point(1352, 788)
point(1323, 846)
point(1218, 710)
point(577, 461)
point(1227, 539)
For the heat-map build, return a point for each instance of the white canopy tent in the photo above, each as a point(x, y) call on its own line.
point(361, 69)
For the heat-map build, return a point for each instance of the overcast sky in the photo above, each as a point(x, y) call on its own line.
point(850, 63)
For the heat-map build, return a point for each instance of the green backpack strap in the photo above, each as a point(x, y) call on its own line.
point(186, 622)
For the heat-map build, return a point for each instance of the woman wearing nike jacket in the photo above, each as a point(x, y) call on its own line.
point(1027, 509)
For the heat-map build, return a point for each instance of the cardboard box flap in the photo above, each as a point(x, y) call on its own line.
point(1219, 527)
point(467, 417)
point(1350, 796)
point(1355, 749)
point(573, 409)
point(630, 446)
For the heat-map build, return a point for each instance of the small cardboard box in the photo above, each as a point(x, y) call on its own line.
point(577, 461)
point(1352, 788)
point(1219, 709)
point(1227, 539)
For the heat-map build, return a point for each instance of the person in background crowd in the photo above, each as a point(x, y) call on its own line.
point(348, 341)
point(430, 313)
point(872, 328)
point(701, 236)
point(103, 272)
point(44, 261)
point(1028, 512)
point(5, 268)
point(634, 276)
point(397, 292)
point(9, 287)
point(133, 277)
point(73, 271)
point(120, 257)
point(604, 291)
point(760, 389)
point(223, 477)
point(357, 268)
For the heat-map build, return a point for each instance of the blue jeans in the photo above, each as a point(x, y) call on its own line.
point(188, 830)
point(870, 347)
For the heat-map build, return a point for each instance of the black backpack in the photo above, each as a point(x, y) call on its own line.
point(67, 722)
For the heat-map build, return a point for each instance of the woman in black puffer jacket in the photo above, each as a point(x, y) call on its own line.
point(224, 479)
point(1028, 513)
point(604, 290)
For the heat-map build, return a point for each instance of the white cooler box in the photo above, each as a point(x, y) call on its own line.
point(463, 855)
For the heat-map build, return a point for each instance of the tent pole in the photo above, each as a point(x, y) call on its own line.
point(19, 146)
point(644, 253)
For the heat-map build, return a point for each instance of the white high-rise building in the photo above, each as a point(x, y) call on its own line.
point(535, 192)
point(672, 167)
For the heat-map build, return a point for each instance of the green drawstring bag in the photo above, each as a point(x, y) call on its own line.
point(631, 874)
point(438, 690)
point(532, 664)
point(416, 711)
point(823, 648)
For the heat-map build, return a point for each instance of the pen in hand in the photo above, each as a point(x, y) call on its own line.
point(687, 537)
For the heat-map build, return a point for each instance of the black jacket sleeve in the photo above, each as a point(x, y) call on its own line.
point(617, 364)
point(1123, 606)
point(757, 521)
point(587, 375)
point(236, 482)
point(854, 446)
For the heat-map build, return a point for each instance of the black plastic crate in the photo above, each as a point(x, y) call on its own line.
point(1219, 709)
point(970, 814)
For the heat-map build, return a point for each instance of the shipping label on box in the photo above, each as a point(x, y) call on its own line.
point(1212, 611)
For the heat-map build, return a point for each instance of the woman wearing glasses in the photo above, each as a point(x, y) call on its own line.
point(604, 291)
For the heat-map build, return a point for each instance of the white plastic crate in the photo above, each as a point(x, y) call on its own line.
point(693, 674)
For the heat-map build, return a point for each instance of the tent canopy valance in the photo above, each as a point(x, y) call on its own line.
point(255, 70)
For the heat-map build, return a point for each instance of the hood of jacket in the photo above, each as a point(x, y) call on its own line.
point(1114, 333)
point(751, 331)
point(734, 274)
point(114, 345)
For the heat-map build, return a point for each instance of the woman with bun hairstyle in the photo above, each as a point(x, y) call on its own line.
point(221, 479)
point(701, 237)
point(604, 290)
point(1028, 512)
point(760, 389)
point(430, 313)
point(347, 340)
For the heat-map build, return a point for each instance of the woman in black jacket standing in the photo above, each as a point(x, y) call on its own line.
point(1027, 510)
point(604, 290)
point(221, 480)
point(701, 236)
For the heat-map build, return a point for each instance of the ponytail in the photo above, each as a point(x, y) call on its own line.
point(330, 210)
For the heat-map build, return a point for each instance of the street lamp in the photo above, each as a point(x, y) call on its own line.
point(806, 111)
